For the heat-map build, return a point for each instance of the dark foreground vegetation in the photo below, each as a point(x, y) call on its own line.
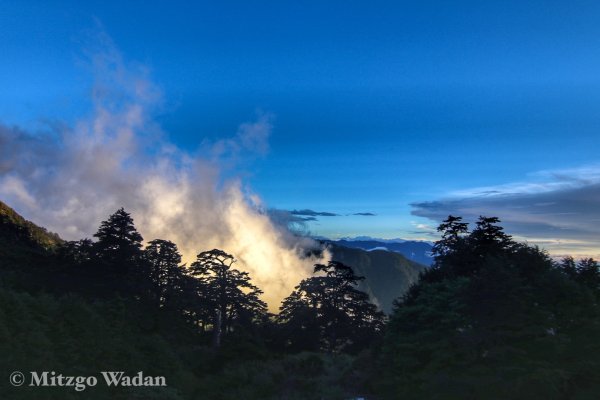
point(491, 319)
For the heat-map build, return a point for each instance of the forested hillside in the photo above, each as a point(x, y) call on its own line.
point(16, 230)
point(495, 319)
point(490, 319)
point(112, 304)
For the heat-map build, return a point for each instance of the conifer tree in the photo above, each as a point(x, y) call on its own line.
point(229, 293)
point(118, 240)
point(166, 273)
point(494, 318)
point(119, 256)
point(328, 312)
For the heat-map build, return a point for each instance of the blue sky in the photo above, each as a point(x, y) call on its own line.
point(391, 108)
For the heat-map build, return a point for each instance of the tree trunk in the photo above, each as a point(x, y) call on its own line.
point(217, 329)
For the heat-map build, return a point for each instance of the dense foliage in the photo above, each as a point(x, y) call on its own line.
point(495, 319)
point(87, 306)
point(329, 313)
point(490, 319)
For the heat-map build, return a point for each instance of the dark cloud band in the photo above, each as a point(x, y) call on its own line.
point(562, 215)
point(312, 213)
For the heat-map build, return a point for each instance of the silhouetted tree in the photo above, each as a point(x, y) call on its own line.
point(118, 240)
point(229, 293)
point(329, 312)
point(118, 256)
point(460, 253)
point(300, 321)
point(166, 273)
point(78, 252)
point(588, 273)
point(493, 318)
point(453, 231)
point(569, 267)
point(488, 237)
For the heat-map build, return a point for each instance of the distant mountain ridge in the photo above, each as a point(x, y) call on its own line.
point(418, 251)
point(370, 238)
point(388, 274)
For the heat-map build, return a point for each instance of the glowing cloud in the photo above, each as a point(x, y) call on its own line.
point(71, 179)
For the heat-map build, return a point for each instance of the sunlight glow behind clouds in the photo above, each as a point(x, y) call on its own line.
point(71, 179)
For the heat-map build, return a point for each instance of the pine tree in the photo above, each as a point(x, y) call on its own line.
point(229, 293)
point(494, 318)
point(588, 273)
point(118, 240)
point(330, 311)
point(166, 273)
point(119, 257)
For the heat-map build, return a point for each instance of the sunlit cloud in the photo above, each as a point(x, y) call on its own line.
point(69, 179)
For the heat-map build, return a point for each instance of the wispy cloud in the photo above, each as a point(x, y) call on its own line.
point(558, 209)
point(70, 178)
point(312, 213)
point(251, 139)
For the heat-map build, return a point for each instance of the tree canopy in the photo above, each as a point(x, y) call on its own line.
point(229, 292)
point(491, 318)
point(328, 312)
point(494, 318)
point(118, 239)
point(166, 273)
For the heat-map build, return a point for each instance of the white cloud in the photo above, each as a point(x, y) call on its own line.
point(72, 179)
point(540, 182)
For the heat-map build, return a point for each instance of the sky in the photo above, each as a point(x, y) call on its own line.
point(382, 117)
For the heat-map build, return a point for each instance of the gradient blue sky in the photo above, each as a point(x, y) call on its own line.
point(392, 108)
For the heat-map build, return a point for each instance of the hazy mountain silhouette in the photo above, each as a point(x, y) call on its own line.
point(389, 274)
point(413, 250)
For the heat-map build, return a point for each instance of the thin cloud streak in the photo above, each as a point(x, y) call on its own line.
point(312, 213)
